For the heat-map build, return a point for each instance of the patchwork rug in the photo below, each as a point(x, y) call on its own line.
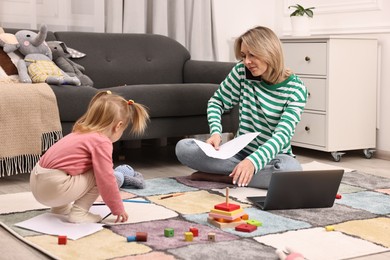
point(361, 221)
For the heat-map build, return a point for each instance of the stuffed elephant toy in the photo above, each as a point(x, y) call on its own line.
point(37, 65)
point(61, 57)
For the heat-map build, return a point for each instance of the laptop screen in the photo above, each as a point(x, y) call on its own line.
point(301, 189)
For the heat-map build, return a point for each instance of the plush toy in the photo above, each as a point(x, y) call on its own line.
point(8, 70)
point(61, 57)
point(37, 65)
point(127, 177)
point(8, 41)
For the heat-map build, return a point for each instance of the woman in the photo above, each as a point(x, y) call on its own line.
point(271, 100)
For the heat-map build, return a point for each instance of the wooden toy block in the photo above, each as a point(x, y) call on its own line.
point(227, 213)
point(223, 225)
point(223, 220)
point(329, 228)
point(224, 215)
point(219, 216)
point(188, 236)
point(245, 217)
point(246, 228)
point(211, 236)
point(131, 238)
point(227, 206)
point(194, 231)
point(169, 232)
point(62, 240)
point(254, 222)
point(141, 236)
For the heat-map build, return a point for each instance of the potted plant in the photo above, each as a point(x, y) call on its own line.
point(300, 20)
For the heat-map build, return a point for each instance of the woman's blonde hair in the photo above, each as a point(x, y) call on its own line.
point(106, 109)
point(263, 43)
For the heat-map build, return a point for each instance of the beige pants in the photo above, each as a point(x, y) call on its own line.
point(56, 188)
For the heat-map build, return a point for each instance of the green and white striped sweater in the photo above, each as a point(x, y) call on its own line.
point(272, 110)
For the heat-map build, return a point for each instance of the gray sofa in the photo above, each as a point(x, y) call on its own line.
point(150, 69)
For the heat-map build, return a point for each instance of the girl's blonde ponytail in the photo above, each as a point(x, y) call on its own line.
point(139, 118)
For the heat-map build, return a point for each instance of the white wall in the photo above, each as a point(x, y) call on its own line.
point(232, 18)
point(363, 18)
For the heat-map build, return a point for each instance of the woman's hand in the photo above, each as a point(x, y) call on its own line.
point(122, 217)
point(243, 172)
point(215, 140)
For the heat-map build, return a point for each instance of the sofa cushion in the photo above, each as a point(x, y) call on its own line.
point(72, 100)
point(170, 100)
point(117, 59)
point(162, 100)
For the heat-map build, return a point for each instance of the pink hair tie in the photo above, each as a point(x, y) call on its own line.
point(130, 102)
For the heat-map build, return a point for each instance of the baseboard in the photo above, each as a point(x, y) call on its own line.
point(380, 154)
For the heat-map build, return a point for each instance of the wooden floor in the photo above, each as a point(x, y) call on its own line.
point(158, 162)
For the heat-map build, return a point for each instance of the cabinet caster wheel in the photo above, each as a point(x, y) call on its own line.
point(337, 156)
point(368, 153)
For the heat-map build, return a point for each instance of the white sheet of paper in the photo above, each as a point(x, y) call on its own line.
point(142, 212)
point(100, 208)
point(54, 224)
point(228, 149)
point(25, 201)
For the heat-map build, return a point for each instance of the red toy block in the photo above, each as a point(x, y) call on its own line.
point(141, 236)
point(194, 231)
point(227, 206)
point(338, 196)
point(62, 240)
point(246, 228)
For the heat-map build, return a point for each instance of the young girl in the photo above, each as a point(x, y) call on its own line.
point(270, 99)
point(74, 171)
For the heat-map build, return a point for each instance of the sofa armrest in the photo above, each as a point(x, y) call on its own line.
point(196, 71)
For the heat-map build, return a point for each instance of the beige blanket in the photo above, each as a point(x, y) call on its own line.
point(29, 125)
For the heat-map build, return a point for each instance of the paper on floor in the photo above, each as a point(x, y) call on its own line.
point(314, 165)
point(319, 244)
point(24, 201)
point(54, 224)
point(141, 212)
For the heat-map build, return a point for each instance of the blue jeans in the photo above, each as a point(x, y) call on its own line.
point(189, 154)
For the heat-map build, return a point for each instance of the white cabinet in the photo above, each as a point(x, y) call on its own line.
point(341, 76)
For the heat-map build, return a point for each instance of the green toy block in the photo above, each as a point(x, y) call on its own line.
point(169, 232)
point(254, 222)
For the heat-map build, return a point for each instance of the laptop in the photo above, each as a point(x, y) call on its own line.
point(300, 189)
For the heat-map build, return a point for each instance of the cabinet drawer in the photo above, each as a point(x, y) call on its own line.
point(306, 58)
point(311, 129)
point(316, 98)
